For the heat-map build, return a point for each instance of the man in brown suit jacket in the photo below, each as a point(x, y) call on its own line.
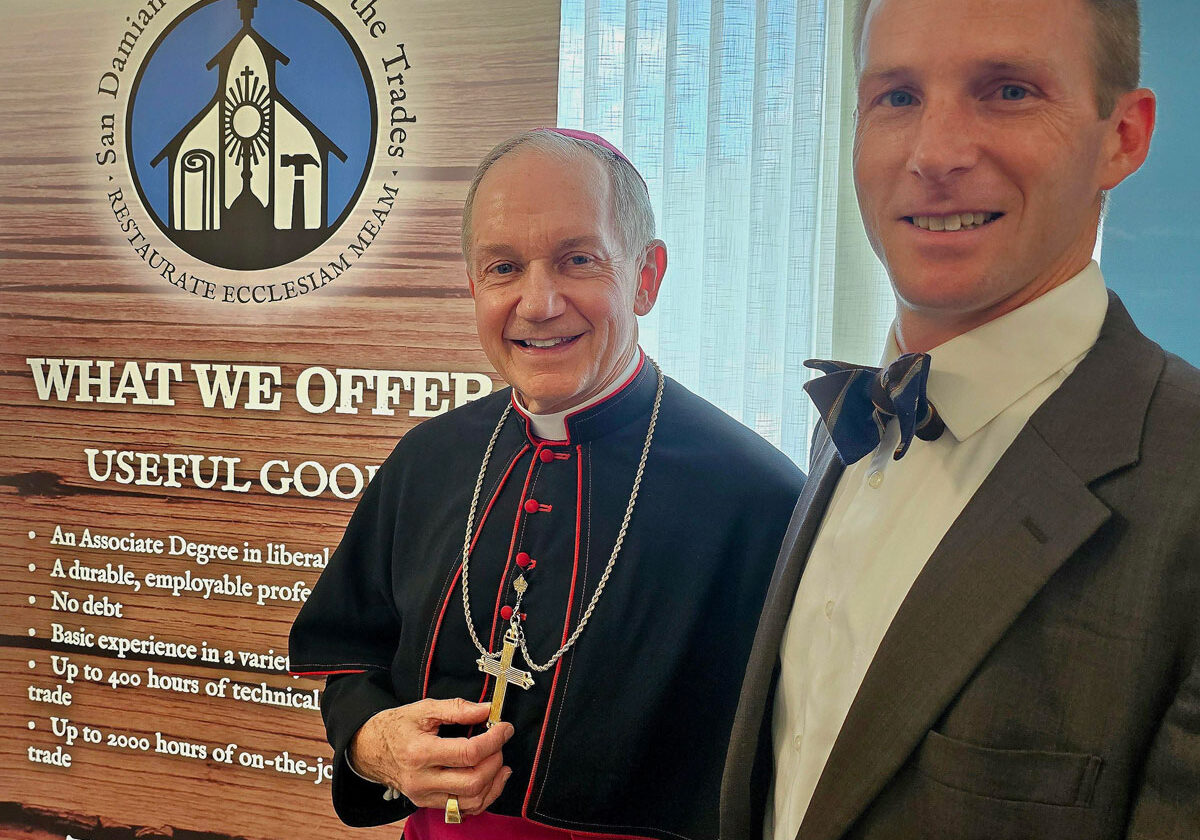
point(997, 636)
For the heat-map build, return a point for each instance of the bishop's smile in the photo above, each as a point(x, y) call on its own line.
point(546, 343)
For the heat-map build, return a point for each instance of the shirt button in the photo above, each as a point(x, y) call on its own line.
point(875, 479)
point(829, 609)
point(798, 740)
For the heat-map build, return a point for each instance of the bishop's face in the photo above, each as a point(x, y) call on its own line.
point(556, 294)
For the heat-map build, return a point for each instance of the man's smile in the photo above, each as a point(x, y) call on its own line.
point(953, 221)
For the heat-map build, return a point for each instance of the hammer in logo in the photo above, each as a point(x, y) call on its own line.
point(298, 162)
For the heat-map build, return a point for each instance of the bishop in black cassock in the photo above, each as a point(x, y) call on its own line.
point(626, 733)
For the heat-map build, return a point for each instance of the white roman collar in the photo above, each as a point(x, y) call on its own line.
point(554, 426)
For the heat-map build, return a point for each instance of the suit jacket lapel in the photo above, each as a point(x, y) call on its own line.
point(739, 804)
point(1028, 517)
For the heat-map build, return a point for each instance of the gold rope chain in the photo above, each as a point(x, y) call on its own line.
point(516, 616)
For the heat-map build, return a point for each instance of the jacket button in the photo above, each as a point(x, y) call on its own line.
point(546, 456)
point(506, 612)
point(523, 560)
point(531, 505)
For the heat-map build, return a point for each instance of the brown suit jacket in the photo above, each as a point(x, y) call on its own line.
point(1042, 678)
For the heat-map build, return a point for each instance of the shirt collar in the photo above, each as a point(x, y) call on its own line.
point(553, 427)
point(975, 376)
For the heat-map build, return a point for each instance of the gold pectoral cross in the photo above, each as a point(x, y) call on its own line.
point(501, 668)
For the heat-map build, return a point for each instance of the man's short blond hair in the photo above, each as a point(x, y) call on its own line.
point(1116, 49)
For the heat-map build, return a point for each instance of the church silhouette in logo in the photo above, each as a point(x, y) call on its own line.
point(248, 175)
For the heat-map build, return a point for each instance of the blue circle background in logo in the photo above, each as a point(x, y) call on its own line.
point(325, 79)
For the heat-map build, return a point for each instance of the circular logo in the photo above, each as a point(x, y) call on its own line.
point(251, 128)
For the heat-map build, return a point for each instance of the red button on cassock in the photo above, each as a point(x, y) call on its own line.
point(531, 506)
point(523, 560)
point(546, 455)
point(506, 612)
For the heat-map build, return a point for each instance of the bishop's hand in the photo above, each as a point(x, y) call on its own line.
point(401, 748)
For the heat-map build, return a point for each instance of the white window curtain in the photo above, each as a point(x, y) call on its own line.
point(740, 117)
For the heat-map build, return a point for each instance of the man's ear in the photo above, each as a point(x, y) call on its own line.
point(1128, 142)
point(471, 285)
point(650, 276)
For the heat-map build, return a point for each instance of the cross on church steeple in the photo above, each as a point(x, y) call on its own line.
point(246, 7)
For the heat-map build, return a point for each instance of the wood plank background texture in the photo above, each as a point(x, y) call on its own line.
point(72, 287)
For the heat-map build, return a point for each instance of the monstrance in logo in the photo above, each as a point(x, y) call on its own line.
point(251, 128)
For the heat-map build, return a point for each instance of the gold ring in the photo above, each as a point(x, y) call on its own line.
point(453, 815)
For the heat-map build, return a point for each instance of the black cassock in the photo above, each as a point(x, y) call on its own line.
point(627, 733)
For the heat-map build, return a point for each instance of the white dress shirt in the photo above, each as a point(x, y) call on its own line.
point(886, 517)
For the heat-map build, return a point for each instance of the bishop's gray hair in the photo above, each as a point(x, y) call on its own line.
point(631, 202)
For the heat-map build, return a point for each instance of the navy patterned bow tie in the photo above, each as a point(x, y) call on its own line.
point(857, 401)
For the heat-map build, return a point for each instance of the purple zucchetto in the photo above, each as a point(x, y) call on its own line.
point(578, 134)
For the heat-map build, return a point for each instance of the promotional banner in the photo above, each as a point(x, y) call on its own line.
point(232, 280)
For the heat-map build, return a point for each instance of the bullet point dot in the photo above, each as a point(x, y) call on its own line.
point(32, 663)
point(32, 600)
point(33, 535)
point(32, 632)
point(33, 567)
point(32, 725)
